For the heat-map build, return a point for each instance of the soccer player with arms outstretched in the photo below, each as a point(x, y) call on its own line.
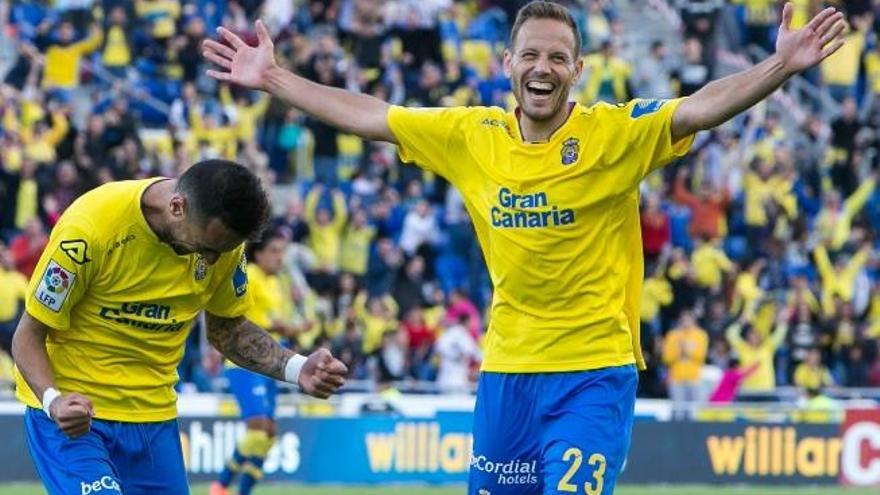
point(552, 189)
point(127, 268)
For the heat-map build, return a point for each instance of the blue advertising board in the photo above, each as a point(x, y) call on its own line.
point(378, 449)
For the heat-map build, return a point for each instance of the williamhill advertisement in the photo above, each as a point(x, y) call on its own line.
point(380, 449)
point(372, 449)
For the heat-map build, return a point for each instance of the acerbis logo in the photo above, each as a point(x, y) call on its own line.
point(105, 483)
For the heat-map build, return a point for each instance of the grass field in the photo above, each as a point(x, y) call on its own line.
point(269, 489)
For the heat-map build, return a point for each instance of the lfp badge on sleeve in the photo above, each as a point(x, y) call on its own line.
point(55, 285)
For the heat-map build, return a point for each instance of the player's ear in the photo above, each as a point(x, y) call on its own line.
point(177, 206)
point(506, 63)
point(578, 68)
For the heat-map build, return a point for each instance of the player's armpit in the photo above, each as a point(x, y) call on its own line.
point(247, 345)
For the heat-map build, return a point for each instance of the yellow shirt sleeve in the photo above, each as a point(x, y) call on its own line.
point(340, 211)
point(231, 295)
point(311, 207)
point(64, 272)
point(261, 309)
point(424, 135)
point(642, 137)
point(734, 338)
point(90, 44)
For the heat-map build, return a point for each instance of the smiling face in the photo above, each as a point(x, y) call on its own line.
point(542, 66)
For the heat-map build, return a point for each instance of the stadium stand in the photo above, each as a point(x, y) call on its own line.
point(761, 245)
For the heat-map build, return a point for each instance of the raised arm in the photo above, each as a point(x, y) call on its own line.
point(340, 209)
point(255, 67)
point(796, 51)
point(733, 335)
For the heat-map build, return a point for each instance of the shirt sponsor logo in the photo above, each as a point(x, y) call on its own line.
point(513, 472)
point(527, 211)
point(570, 151)
point(146, 316)
point(55, 285)
point(239, 278)
point(77, 250)
point(646, 107)
point(105, 483)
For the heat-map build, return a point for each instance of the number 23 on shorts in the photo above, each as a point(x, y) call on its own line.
point(576, 457)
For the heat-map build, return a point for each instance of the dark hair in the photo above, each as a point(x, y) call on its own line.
point(546, 10)
point(227, 191)
point(258, 245)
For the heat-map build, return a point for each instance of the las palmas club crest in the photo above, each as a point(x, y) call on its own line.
point(201, 269)
point(570, 151)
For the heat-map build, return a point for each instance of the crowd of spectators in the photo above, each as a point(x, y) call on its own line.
point(760, 245)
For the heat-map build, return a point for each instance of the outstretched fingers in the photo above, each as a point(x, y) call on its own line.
point(817, 21)
point(263, 35)
point(217, 59)
point(219, 75)
point(232, 38)
point(834, 33)
point(218, 48)
point(832, 47)
point(830, 22)
point(787, 13)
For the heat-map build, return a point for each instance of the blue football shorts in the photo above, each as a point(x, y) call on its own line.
point(254, 392)
point(111, 459)
point(552, 433)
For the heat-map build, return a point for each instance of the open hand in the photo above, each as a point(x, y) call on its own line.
point(241, 63)
point(813, 43)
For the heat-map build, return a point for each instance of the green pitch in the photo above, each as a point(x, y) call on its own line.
point(270, 489)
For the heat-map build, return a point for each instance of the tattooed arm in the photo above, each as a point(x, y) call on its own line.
point(249, 346)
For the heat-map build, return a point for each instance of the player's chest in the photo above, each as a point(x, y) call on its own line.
point(179, 284)
point(546, 200)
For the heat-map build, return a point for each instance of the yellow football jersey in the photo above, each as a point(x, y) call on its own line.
point(120, 304)
point(558, 222)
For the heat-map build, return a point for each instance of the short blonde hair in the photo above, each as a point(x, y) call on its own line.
point(546, 10)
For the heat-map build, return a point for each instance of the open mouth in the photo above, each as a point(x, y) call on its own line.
point(540, 88)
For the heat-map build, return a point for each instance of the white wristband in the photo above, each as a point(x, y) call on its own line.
point(294, 368)
point(49, 397)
